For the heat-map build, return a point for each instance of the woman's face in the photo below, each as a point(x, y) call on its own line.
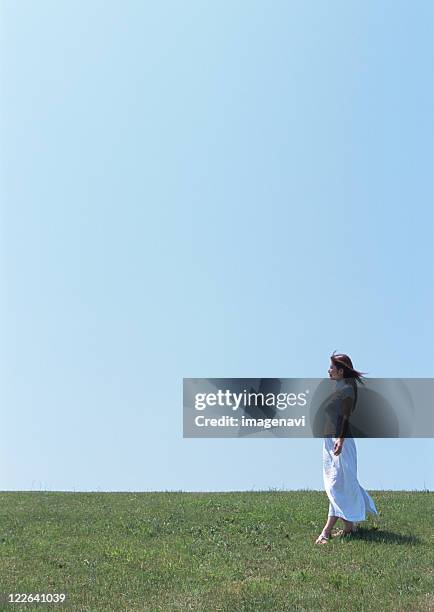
point(334, 373)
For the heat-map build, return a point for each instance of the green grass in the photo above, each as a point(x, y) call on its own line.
point(213, 551)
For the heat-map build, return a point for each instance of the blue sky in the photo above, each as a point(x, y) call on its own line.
point(230, 189)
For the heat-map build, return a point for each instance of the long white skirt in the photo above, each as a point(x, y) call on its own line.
point(347, 498)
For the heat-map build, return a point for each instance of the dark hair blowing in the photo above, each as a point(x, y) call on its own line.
point(343, 362)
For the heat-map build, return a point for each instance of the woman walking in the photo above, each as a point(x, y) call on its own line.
point(348, 500)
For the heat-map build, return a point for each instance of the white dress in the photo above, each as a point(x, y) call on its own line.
point(347, 498)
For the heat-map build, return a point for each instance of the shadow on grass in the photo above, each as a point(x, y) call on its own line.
point(381, 535)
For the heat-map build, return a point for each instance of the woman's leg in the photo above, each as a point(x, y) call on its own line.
point(348, 526)
point(326, 532)
point(331, 520)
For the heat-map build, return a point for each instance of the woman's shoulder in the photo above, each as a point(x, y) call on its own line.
point(346, 389)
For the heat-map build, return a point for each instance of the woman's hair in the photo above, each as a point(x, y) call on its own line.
point(343, 362)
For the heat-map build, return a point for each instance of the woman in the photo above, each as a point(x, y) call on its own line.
point(348, 500)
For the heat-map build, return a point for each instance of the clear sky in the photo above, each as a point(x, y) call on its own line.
point(207, 189)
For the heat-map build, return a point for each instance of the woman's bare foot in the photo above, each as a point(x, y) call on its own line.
point(345, 531)
point(349, 528)
point(323, 538)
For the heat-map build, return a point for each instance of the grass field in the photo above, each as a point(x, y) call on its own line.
point(213, 551)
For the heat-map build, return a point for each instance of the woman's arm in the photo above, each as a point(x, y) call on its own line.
point(347, 408)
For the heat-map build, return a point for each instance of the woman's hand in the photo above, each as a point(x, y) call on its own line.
point(337, 446)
